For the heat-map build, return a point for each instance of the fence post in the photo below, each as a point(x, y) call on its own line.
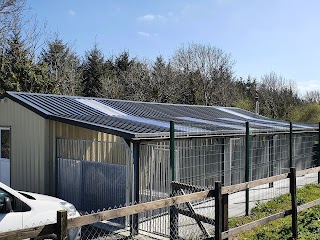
point(62, 225)
point(134, 230)
point(225, 215)
point(174, 218)
point(218, 211)
point(318, 162)
point(293, 192)
point(291, 147)
point(247, 165)
point(172, 166)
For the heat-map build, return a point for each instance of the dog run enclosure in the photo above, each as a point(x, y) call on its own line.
point(110, 152)
point(110, 174)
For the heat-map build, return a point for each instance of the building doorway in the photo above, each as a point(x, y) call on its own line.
point(5, 155)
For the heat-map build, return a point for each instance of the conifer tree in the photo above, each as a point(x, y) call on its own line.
point(62, 66)
point(93, 72)
point(18, 70)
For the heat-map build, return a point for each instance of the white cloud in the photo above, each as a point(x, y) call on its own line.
point(72, 12)
point(144, 34)
point(152, 18)
point(147, 18)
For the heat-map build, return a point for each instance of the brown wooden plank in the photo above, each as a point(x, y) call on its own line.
point(252, 184)
point(196, 216)
point(308, 171)
point(191, 209)
point(255, 183)
point(249, 226)
point(225, 209)
point(308, 205)
point(29, 232)
point(125, 211)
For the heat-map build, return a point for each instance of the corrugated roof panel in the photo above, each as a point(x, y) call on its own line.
point(101, 107)
point(129, 117)
point(213, 123)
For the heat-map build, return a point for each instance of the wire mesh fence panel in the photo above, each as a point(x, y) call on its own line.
point(195, 219)
point(260, 156)
point(154, 171)
point(279, 154)
point(305, 150)
point(176, 226)
point(93, 175)
point(105, 230)
point(237, 160)
point(154, 184)
point(199, 161)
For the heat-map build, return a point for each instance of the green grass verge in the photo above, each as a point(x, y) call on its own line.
point(308, 221)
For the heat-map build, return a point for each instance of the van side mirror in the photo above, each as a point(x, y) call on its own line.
point(7, 206)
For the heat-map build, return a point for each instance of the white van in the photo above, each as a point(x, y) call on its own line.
point(20, 210)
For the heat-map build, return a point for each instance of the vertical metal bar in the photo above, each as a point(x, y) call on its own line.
point(82, 176)
point(291, 146)
point(134, 230)
point(318, 162)
point(223, 167)
point(293, 192)
point(58, 142)
point(247, 166)
point(218, 211)
point(271, 156)
point(172, 150)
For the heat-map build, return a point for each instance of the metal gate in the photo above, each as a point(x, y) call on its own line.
point(93, 175)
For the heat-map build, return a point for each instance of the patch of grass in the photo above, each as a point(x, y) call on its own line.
point(309, 220)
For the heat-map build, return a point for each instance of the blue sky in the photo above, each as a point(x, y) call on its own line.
point(262, 36)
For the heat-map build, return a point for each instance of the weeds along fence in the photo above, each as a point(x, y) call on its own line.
point(207, 207)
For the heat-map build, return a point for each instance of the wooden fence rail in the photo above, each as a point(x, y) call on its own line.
point(221, 232)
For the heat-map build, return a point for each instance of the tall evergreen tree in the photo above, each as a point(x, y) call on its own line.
point(62, 67)
point(161, 81)
point(18, 71)
point(93, 73)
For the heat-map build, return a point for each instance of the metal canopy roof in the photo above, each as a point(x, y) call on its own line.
point(130, 119)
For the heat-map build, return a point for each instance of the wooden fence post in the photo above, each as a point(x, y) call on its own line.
point(225, 215)
point(62, 225)
point(218, 211)
point(293, 192)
